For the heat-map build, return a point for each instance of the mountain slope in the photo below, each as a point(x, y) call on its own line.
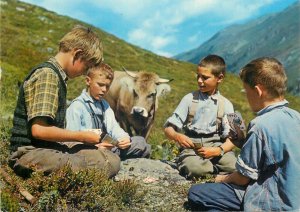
point(276, 35)
point(30, 34)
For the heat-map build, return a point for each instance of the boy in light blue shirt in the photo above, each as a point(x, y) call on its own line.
point(90, 111)
point(268, 167)
point(205, 143)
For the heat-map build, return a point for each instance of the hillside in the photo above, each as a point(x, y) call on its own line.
point(29, 35)
point(276, 35)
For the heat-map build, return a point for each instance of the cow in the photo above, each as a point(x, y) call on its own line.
point(134, 98)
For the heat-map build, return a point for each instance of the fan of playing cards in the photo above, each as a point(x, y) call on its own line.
point(237, 128)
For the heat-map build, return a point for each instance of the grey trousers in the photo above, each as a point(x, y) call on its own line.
point(191, 164)
point(138, 149)
point(80, 156)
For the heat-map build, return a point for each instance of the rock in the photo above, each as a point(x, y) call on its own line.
point(162, 187)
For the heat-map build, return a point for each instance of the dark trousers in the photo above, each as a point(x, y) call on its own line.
point(214, 197)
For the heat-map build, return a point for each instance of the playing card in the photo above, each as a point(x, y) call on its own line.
point(197, 145)
point(237, 128)
point(236, 121)
point(108, 139)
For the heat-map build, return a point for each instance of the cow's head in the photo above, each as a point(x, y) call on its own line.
point(144, 89)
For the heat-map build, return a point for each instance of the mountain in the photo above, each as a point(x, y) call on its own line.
point(276, 35)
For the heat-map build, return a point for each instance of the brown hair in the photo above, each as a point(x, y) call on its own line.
point(83, 38)
point(265, 71)
point(215, 63)
point(104, 69)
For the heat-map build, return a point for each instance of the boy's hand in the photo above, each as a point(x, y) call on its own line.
point(104, 146)
point(220, 178)
point(184, 141)
point(90, 137)
point(124, 143)
point(208, 152)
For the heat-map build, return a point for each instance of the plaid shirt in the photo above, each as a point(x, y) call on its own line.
point(41, 92)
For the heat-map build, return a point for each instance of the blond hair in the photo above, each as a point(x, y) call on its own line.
point(267, 72)
point(103, 69)
point(215, 63)
point(83, 38)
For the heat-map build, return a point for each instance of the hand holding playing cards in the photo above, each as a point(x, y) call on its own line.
point(208, 152)
point(237, 128)
point(124, 143)
point(107, 146)
point(107, 142)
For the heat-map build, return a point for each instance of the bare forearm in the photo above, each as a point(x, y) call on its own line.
point(227, 145)
point(181, 139)
point(234, 178)
point(42, 131)
point(170, 133)
point(51, 133)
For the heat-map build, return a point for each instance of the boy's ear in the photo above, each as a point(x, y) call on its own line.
point(220, 78)
point(87, 80)
point(77, 54)
point(259, 90)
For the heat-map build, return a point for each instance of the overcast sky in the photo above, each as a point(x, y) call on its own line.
point(165, 27)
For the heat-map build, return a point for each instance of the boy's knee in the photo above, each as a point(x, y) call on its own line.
point(140, 146)
point(115, 167)
point(196, 196)
point(195, 168)
point(227, 162)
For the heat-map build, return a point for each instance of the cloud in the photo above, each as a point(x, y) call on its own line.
point(160, 28)
point(157, 25)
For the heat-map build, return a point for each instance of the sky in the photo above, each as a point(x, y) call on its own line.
point(165, 27)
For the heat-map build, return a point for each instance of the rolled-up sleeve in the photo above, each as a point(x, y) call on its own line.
point(250, 158)
point(225, 124)
point(112, 126)
point(179, 116)
point(41, 94)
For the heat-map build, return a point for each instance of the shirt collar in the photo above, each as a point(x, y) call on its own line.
point(60, 69)
point(272, 106)
point(213, 97)
point(86, 96)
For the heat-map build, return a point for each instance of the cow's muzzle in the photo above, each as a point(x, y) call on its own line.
point(139, 111)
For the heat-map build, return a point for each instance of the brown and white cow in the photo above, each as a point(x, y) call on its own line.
point(134, 98)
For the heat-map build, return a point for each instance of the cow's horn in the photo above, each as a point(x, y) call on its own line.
point(161, 80)
point(130, 73)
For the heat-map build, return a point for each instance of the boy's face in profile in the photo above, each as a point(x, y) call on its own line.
point(253, 97)
point(207, 82)
point(98, 84)
point(77, 66)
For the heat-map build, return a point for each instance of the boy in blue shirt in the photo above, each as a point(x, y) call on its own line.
point(90, 111)
point(202, 114)
point(267, 176)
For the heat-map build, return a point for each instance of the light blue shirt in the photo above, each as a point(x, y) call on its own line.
point(205, 118)
point(78, 116)
point(271, 158)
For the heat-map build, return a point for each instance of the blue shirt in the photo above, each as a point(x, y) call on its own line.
point(205, 119)
point(79, 117)
point(271, 158)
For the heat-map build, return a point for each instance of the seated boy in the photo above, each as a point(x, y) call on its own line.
point(38, 141)
point(267, 176)
point(202, 114)
point(91, 111)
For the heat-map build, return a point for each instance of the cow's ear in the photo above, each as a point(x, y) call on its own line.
point(127, 82)
point(163, 89)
